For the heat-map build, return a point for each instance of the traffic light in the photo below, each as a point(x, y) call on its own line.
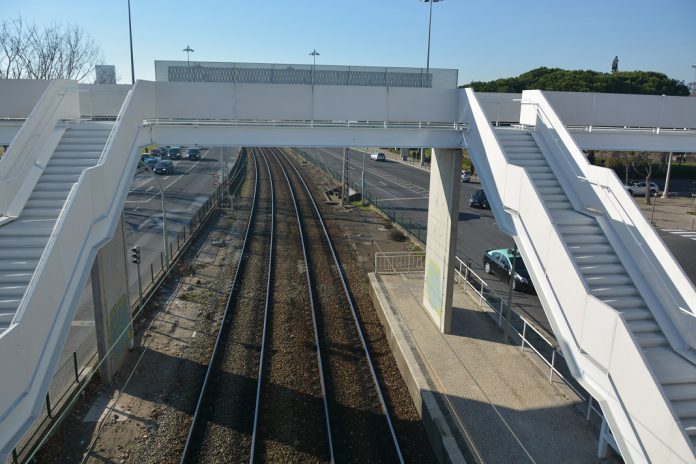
point(135, 255)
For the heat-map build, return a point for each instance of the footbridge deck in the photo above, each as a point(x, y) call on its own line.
point(622, 309)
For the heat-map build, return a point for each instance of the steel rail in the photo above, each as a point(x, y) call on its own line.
point(375, 380)
point(264, 334)
point(202, 395)
point(311, 305)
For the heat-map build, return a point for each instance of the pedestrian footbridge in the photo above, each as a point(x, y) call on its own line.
point(621, 307)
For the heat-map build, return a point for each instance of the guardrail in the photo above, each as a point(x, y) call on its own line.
point(301, 123)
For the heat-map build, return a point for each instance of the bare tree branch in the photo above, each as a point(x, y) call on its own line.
point(53, 52)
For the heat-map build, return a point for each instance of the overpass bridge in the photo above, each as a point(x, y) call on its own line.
point(621, 307)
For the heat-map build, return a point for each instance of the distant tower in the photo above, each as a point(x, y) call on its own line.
point(615, 65)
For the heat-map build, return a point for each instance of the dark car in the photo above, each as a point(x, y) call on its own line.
point(499, 263)
point(478, 200)
point(194, 154)
point(164, 167)
point(156, 152)
point(150, 160)
point(174, 153)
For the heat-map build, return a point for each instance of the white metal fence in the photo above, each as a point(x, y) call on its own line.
point(399, 262)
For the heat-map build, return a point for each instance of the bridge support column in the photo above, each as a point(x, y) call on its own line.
point(443, 217)
point(111, 304)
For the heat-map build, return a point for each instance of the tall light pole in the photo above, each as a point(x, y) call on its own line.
point(430, 21)
point(314, 55)
point(693, 83)
point(130, 34)
point(188, 51)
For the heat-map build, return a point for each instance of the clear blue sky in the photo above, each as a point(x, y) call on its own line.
point(483, 39)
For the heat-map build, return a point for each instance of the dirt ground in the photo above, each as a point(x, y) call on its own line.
point(140, 415)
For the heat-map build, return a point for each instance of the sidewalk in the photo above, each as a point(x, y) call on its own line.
point(479, 394)
point(670, 213)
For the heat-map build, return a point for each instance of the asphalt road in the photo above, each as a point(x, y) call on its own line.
point(186, 190)
point(406, 188)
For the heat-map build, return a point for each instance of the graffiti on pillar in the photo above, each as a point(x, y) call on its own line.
point(119, 321)
point(433, 289)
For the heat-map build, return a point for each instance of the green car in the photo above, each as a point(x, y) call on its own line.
point(499, 263)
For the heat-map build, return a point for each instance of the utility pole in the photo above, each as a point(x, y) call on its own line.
point(344, 184)
point(362, 182)
point(665, 192)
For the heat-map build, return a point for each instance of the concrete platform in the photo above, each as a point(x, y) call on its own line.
point(481, 400)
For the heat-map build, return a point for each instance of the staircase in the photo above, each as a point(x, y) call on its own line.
point(607, 279)
point(22, 241)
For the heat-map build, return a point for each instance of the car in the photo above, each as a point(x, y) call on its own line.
point(478, 200)
point(466, 176)
point(499, 262)
point(164, 167)
point(193, 154)
point(638, 188)
point(150, 161)
point(378, 156)
point(156, 152)
point(174, 153)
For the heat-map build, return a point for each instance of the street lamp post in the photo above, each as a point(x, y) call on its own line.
point(164, 214)
point(362, 182)
point(430, 21)
point(314, 55)
point(130, 34)
point(188, 51)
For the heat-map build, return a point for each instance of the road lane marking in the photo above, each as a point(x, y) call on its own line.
point(164, 189)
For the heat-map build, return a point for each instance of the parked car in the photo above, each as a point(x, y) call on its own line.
point(193, 154)
point(466, 176)
point(150, 161)
point(499, 262)
point(156, 152)
point(638, 188)
point(164, 167)
point(379, 156)
point(478, 200)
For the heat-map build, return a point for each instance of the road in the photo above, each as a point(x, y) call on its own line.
point(185, 191)
point(406, 189)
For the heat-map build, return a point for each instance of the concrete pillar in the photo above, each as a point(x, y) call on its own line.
point(111, 304)
point(443, 217)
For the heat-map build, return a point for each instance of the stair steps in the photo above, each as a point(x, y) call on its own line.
point(606, 278)
point(22, 241)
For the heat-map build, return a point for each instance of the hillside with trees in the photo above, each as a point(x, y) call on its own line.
point(635, 82)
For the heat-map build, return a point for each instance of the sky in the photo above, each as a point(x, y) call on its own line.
point(483, 39)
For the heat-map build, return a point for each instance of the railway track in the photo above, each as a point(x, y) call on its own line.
point(290, 378)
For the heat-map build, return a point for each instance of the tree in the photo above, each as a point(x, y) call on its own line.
point(644, 165)
point(635, 82)
point(54, 52)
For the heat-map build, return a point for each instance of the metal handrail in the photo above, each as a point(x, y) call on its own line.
point(303, 123)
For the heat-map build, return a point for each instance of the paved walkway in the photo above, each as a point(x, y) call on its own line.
point(501, 406)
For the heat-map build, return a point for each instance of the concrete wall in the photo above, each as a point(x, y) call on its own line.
point(443, 217)
point(111, 305)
